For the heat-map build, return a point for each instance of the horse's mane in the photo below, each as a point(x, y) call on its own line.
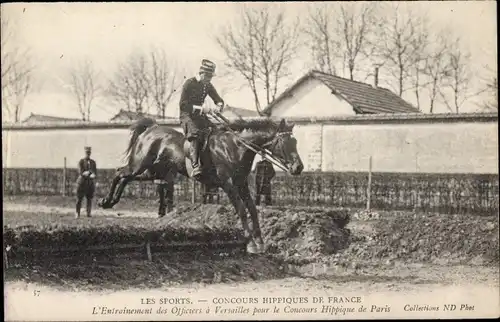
point(254, 125)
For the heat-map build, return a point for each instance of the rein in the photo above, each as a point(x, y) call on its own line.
point(264, 153)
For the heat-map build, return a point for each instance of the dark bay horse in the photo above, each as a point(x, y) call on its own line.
point(158, 153)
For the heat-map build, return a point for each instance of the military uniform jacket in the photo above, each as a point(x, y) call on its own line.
point(86, 165)
point(264, 172)
point(194, 92)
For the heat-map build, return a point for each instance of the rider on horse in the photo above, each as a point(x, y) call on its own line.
point(193, 117)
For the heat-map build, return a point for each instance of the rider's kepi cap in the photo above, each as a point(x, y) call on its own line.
point(87, 149)
point(208, 67)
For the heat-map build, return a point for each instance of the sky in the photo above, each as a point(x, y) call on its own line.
point(61, 34)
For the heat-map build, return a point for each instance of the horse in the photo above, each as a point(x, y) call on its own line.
point(158, 153)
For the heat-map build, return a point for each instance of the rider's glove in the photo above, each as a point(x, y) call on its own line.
point(206, 109)
point(92, 176)
point(85, 173)
point(197, 108)
point(221, 106)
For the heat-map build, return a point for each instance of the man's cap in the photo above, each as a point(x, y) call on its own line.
point(87, 149)
point(208, 67)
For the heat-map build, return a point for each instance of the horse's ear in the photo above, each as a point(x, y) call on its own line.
point(282, 125)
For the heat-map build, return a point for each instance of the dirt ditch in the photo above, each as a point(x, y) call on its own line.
point(334, 237)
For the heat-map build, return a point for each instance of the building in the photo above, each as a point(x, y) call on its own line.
point(339, 126)
point(238, 112)
point(318, 94)
point(124, 115)
point(41, 119)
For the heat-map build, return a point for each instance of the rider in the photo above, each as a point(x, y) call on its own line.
point(192, 112)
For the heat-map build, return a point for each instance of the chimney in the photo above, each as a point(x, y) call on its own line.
point(375, 80)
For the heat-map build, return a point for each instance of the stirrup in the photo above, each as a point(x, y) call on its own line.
point(196, 172)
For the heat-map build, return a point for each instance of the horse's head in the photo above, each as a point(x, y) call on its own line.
point(284, 147)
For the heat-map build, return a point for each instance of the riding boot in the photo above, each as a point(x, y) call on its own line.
point(89, 207)
point(195, 158)
point(78, 207)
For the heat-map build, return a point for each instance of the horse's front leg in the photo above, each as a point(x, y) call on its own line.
point(246, 196)
point(233, 195)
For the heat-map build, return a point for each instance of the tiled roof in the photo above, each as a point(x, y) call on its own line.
point(364, 98)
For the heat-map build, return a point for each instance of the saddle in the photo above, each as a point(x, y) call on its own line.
point(203, 154)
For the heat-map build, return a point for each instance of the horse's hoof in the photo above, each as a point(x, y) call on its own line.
point(252, 248)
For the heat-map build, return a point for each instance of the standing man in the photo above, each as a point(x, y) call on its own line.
point(85, 184)
point(193, 117)
point(264, 172)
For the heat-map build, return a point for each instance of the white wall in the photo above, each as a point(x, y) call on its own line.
point(463, 146)
point(312, 99)
point(47, 148)
point(438, 147)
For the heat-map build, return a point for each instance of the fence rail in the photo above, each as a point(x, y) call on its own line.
point(444, 193)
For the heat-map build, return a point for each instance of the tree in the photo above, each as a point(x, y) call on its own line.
point(400, 43)
point(130, 85)
point(340, 32)
point(490, 93)
point(459, 77)
point(437, 68)
point(164, 80)
point(17, 71)
point(83, 84)
point(260, 48)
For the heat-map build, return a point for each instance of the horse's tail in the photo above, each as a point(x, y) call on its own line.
point(137, 129)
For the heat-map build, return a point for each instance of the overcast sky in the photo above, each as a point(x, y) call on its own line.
point(60, 34)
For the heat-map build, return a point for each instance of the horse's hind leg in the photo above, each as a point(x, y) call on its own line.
point(246, 196)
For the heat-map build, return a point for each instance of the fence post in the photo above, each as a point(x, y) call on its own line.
point(148, 251)
point(64, 178)
point(369, 185)
point(193, 192)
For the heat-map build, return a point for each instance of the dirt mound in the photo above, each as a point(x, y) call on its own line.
point(428, 238)
point(297, 236)
point(124, 272)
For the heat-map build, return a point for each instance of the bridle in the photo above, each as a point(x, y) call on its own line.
point(262, 151)
point(278, 138)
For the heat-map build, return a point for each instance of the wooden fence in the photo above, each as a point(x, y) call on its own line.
point(443, 193)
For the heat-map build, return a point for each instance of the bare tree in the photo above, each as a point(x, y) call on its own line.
point(17, 71)
point(400, 43)
point(340, 32)
point(164, 80)
point(459, 78)
point(260, 48)
point(437, 68)
point(320, 31)
point(130, 85)
point(490, 92)
point(83, 84)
